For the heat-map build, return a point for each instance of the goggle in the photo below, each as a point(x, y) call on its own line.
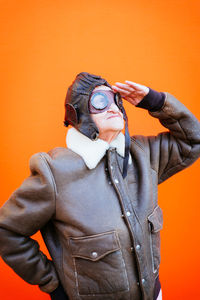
point(101, 100)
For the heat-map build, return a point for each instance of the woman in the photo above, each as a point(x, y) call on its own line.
point(95, 201)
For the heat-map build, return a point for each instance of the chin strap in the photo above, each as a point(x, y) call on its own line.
point(127, 144)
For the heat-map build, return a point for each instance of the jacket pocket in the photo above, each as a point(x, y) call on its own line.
point(155, 221)
point(99, 264)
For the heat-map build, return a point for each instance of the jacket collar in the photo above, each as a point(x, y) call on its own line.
point(93, 151)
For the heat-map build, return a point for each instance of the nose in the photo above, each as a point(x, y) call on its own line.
point(113, 108)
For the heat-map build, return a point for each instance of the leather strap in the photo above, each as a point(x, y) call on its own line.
point(127, 144)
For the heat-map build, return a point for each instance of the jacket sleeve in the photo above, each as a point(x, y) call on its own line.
point(26, 211)
point(172, 151)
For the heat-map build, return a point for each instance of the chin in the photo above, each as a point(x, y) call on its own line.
point(116, 128)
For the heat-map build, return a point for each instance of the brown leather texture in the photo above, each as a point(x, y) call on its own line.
point(102, 231)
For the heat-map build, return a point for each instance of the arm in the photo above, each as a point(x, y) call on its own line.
point(171, 151)
point(27, 210)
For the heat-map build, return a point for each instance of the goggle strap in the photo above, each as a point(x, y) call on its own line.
point(127, 145)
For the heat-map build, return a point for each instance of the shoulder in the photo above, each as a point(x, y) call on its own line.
point(53, 156)
point(140, 146)
point(59, 152)
point(138, 141)
point(62, 159)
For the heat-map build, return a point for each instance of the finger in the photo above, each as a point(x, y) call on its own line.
point(134, 84)
point(124, 86)
point(127, 98)
point(131, 100)
point(122, 91)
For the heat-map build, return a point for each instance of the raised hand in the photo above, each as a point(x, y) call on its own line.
point(131, 91)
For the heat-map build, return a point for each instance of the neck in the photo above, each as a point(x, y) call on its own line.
point(108, 136)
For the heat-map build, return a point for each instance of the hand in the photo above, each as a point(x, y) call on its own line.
point(131, 91)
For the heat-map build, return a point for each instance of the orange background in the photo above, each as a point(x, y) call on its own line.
point(44, 44)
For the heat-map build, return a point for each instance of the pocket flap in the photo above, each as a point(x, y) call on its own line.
point(94, 247)
point(156, 219)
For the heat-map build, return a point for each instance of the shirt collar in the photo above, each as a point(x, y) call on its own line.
point(93, 151)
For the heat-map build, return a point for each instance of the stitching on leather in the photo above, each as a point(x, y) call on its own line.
point(166, 176)
point(96, 259)
point(133, 209)
point(183, 131)
point(117, 236)
point(152, 254)
point(150, 156)
point(166, 172)
point(136, 142)
point(153, 169)
point(62, 260)
point(188, 140)
point(151, 234)
point(91, 236)
point(96, 294)
point(51, 175)
point(76, 276)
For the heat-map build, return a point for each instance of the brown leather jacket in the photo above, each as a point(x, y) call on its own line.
point(102, 232)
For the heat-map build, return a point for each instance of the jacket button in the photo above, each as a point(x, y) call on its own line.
point(132, 249)
point(109, 182)
point(128, 213)
point(143, 280)
point(94, 254)
point(138, 247)
point(116, 180)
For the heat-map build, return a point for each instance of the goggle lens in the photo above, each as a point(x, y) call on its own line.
point(100, 101)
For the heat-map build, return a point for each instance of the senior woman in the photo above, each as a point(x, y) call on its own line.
point(95, 201)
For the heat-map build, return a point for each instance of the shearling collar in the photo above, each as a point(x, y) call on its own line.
point(93, 151)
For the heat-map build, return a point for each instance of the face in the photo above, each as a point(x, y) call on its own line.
point(110, 120)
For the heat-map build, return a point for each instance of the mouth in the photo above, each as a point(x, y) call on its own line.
point(114, 116)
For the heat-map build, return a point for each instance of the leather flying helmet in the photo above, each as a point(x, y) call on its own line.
point(77, 112)
point(77, 99)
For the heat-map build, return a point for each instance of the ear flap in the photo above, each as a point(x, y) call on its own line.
point(71, 116)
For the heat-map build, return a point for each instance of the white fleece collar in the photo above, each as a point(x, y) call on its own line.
point(93, 151)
